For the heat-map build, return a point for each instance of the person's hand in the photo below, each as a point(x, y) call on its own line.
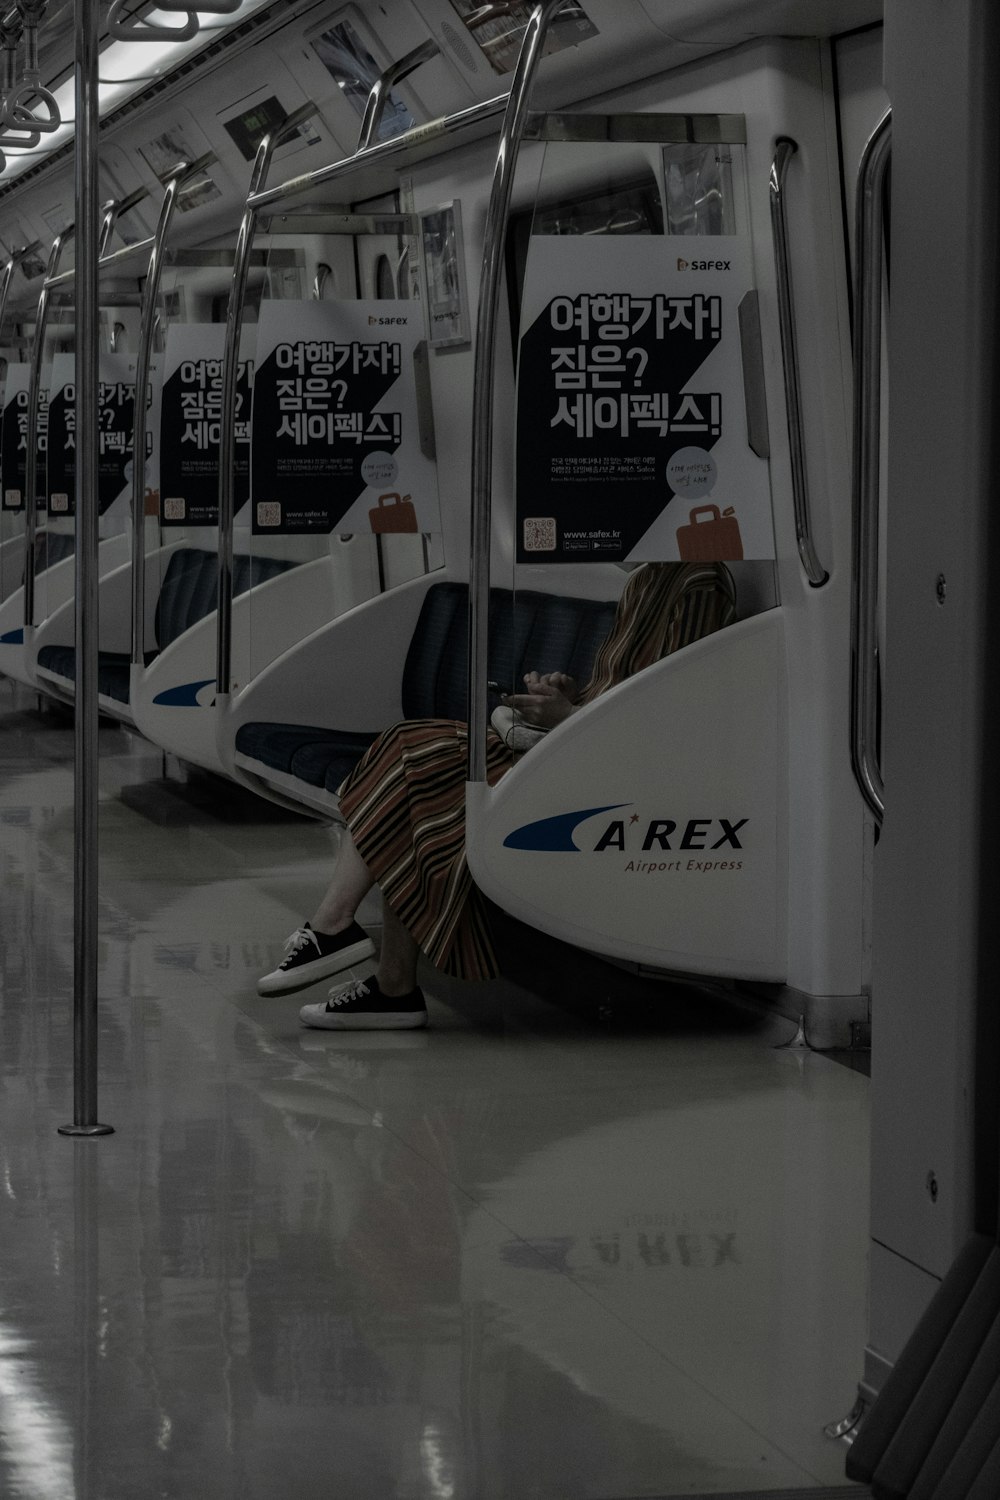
point(548, 701)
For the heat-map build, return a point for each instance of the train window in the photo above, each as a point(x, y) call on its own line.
point(498, 29)
point(698, 189)
point(385, 285)
point(629, 206)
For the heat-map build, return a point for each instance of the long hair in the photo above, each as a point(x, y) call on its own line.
point(663, 606)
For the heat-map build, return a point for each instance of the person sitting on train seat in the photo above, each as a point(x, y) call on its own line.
point(404, 810)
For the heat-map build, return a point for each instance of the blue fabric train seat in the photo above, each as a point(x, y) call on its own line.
point(550, 632)
point(188, 592)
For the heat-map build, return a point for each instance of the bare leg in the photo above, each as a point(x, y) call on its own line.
point(397, 965)
point(351, 882)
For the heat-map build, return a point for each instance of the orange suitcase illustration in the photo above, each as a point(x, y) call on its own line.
point(715, 540)
point(396, 515)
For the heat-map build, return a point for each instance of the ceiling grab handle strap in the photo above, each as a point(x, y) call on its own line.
point(135, 29)
point(784, 150)
point(21, 108)
point(497, 216)
point(31, 436)
point(179, 175)
point(230, 375)
point(868, 267)
point(382, 87)
point(11, 27)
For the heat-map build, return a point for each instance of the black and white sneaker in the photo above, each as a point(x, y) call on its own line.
point(361, 1006)
point(310, 956)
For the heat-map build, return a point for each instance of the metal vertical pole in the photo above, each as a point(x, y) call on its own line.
point(87, 18)
point(497, 218)
point(147, 324)
point(230, 375)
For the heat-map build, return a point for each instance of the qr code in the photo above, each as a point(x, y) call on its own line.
point(268, 513)
point(12, 498)
point(58, 501)
point(539, 534)
point(174, 509)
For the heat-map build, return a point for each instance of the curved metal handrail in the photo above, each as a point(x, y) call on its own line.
point(784, 150)
point(394, 73)
point(112, 212)
point(230, 374)
point(868, 267)
point(7, 275)
point(511, 134)
point(31, 436)
point(150, 292)
point(5, 280)
point(180, 174)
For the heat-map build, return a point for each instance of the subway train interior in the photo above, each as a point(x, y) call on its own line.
point(676, 1173)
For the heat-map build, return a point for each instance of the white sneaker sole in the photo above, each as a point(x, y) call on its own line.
point(389, 1020)
point(302, 977)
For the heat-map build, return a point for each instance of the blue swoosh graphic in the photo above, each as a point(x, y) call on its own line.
point(13, 637)
point(184, 696)
point(555, 835)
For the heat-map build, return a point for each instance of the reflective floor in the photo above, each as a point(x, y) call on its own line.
point(521, 1256)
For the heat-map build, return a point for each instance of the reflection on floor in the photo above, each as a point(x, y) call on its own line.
point(518, 1257)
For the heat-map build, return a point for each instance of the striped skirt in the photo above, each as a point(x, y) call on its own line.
point(404, 803)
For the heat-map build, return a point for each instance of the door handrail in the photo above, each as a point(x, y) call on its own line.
point(866, 455)
point(180, 175)
point(497, 216)
point(784, 150)
point(230, 375)
point(31, 434)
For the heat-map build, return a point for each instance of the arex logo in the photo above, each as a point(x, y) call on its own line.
point(703, 265)
point(555, 835)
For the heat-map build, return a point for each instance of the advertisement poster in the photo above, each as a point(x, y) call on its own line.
point(13, 435)
point(190, 406)
point(116, 400)
point(335, 440)
point(631, 419)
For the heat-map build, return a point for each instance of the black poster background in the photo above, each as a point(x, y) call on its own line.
point(115, 416)
point(188, 470)
point(315, 483)
point(626, 506)
point(12, 454)
point(60, 469)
